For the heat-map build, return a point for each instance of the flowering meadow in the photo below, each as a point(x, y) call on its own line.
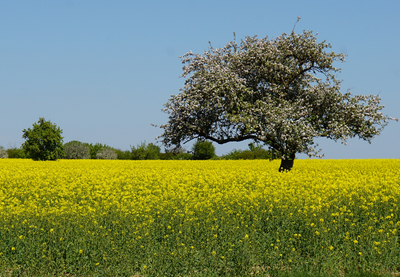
point(198, 218)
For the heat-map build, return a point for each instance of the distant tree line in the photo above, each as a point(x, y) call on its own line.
point(201, 150)
point(44, 142)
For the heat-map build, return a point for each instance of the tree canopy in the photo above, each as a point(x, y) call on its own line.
point(280, 91)
point(44, 141)
point(203, 150)
point(76, 150)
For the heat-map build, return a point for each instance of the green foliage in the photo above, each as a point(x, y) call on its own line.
point(254, 147)
point(145, 151)
point(203, 150)
point(107, 153)
point(95, 148)
point(80, 150)
point(176, 156)
point(166, 156)
point(237, 154)
point(3, 153)
point(16, 153)
point(255, 152)
point(44, 141)
point(310, 273)
point(123, 155)
point(183, 156)
point(76, 150)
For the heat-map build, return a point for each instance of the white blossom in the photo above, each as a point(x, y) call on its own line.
point(269, 90)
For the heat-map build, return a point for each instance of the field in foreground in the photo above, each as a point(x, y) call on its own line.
point(198, 218)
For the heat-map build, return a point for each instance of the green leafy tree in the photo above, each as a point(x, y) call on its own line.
point(76, 150)
point(282, 92)
point(176, 154)
point(16, 153)
point(203, 150)
point(145, 151)
point(123, 154)
point(95, 148)
point(44, 141)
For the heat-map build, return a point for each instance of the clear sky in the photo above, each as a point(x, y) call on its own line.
point(102, 70)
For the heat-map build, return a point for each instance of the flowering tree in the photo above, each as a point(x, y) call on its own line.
point(280, 91)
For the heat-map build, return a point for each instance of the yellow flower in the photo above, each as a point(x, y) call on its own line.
point(223, 197)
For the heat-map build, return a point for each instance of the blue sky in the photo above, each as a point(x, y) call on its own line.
point(102, 70)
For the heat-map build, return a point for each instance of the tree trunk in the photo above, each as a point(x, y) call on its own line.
point(287, 162)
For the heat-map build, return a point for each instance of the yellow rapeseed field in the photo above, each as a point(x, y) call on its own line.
point(190, 217)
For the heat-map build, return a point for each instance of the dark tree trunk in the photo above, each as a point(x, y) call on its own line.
point(287, 163)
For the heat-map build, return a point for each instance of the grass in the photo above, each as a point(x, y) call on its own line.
point(276, 273)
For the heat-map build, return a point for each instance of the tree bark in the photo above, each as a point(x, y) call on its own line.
point(287, 162)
